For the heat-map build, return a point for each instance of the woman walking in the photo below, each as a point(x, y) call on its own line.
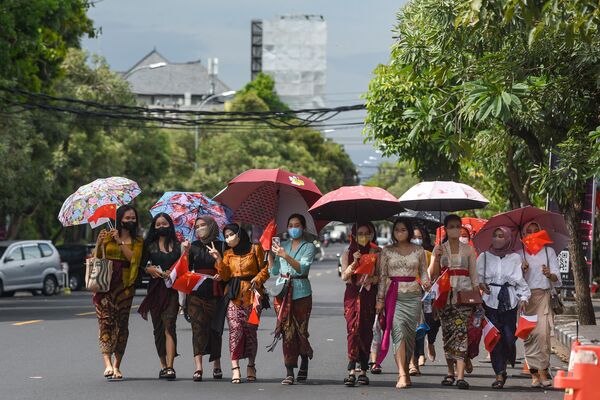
point(205, 305)
point(241, 267)
point(291, 264)
point(542, 275)
point(161, 251)
point(123, 247)
point(399, 294)
point(360, 298)
point(460, 261)
point(505, 290)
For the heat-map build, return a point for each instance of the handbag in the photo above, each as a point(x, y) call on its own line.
point(98, 272)
point(556, 303)
point(469, 297)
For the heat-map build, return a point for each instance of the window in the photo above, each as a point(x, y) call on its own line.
point(46, 250)
point(15, 254)
point(2, 250)
point(31, 252)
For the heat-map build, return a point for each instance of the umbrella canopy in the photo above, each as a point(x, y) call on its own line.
point(355, 204)
point(430, 219)
point(553, 223)
point(259, 196)
point(442, 196)
point(185, 207)
point(82, 204)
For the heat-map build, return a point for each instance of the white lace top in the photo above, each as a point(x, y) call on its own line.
point(392, 263)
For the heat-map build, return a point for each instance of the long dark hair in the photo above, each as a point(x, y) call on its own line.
point(427, 245)
point(300, 217)
point(152, 236)
point(409, 227)
point(121, 212)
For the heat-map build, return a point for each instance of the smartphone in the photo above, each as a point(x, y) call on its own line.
point(275, 242)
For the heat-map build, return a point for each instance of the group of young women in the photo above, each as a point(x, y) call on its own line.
point(383, 300)
point(238, 270)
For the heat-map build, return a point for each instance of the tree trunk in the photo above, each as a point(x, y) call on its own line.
point(14, 226)
point(514, 179)
point(585, 308)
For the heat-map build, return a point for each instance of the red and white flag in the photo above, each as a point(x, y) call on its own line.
point(254, 318)
point(180, 268)
point(189, 282)
point(491, 334)
point(103, 215)
point(267, 237)
point(525, 325)
point(441, 288)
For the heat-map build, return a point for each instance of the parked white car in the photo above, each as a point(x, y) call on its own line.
point(30, 265)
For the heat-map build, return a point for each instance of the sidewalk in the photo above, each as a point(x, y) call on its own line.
point(565, 330)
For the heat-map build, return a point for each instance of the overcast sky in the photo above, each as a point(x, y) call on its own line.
point(359, 38)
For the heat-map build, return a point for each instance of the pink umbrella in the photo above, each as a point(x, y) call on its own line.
point(553, 223)
point(442, 196)
point(258, 196)
point(355, 204)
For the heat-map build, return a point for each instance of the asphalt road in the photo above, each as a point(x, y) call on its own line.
point(49, 350)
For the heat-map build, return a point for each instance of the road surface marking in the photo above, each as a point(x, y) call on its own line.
point(86, 313)
point(33, 321)
point(328, 272)
point(319, 273)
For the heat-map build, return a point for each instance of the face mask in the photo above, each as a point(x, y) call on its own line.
point(418, 242)
point(295, 233)
point(363, 240)
point(163, 231)
point(232, 241)
point(453, 233)
point(130, 226)
point(202, 232)
point(498, 243)
point(463, 240)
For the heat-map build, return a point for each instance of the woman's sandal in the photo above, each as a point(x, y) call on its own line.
point(289, 380)
point(197, 377)
point(108, 373)
point(405, 384)
point(170, 374)
point(217, 373)
point(376, 369)
point(462, 384)
point(302, 375)
point(414, 371)
point(350, 381)
point(116, 376)
point(448, 380)
point(162, 373)
point(498, 384)
point(363, 380)
point(236, 380)
point(251, 377)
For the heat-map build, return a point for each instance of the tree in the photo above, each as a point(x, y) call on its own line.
point(264, 87)
point(396, 178)
point(35, 36)
point(492, 103)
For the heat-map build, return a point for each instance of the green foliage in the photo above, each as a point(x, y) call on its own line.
point(396, 178)
point(35, 36)
point(264, 87)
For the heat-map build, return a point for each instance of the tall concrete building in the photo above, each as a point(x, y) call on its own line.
point(293, 50)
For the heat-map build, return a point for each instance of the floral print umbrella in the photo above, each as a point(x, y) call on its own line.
point(185, 207)
point(82, 204)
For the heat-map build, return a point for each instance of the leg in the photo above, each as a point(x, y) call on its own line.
point(402, 363)
point(108, 365)
point(124, 301)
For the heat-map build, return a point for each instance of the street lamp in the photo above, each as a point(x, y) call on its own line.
point(209, 98)
point(149, 66)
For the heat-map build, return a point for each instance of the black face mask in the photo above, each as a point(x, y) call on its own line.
point(163, 231)
point(130, 226)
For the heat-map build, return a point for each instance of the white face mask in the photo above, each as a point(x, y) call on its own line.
point(463, 240)
point(232, 241)
point(418, 242)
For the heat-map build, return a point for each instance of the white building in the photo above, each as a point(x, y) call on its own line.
point(293, 50)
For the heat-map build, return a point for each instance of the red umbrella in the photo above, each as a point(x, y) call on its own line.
point(553, 223)
point(259, 196)
point(356, 204)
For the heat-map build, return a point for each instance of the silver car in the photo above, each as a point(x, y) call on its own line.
point(30, 265)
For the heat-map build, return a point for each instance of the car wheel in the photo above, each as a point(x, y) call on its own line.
point(75, 282)
point(50, 285)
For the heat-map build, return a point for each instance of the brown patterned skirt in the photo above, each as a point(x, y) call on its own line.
point(205, 339)
point(293, 326)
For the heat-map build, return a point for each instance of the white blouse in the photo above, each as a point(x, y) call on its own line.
point(500, 271)
point(534, 276)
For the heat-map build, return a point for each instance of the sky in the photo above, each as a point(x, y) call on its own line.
point(359, 38)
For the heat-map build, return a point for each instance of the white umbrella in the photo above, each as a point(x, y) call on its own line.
point(442, 196)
